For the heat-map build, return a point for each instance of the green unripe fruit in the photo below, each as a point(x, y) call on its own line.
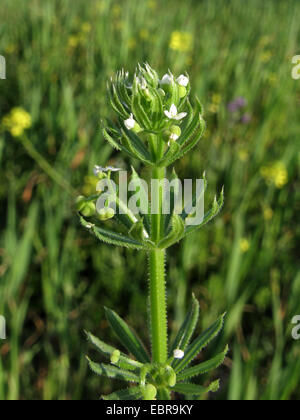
point(175, 129)
point(115, 357)
point(182, 92)
point(137, 128)
point(80, 202)
point(106, 214)
point(171, 376)
point(149, 392)
point(86, 208)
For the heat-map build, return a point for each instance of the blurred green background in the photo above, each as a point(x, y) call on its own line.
point(55, 279)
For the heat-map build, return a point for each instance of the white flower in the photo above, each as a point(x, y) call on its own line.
point(178, 354)
point(167, 80)
point(98, 169)
point(130, 123)
point(183, 80)
point(173, 113)
point(174, 137)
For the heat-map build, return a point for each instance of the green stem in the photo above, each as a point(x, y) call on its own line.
point(158, 304)
point(46, 167)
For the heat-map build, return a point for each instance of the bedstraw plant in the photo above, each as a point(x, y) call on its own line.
point(157, 125)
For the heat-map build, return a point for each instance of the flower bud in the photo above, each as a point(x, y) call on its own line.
point(106, 214)
point(86, 208)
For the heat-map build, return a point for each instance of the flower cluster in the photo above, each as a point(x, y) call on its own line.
point(275, 173)
point(16, 122)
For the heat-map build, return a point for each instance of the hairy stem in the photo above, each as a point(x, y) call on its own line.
point(158, 304)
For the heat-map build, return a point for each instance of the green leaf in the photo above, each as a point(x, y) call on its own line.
point(203, 367)
point(211, 214)
point(114, 372)
point(192, 127)
point(188, 327)
point(138, 109)
point(133, 393)
point(112, 238)
point(199, 344)
point(196, 390)
point(136, 146)
point(124, 361)
point(126, 336)
point(115, 102)
point(174, 195)
point(196, 198)
point(192, 141)
point(116, 145)
point(177, 231)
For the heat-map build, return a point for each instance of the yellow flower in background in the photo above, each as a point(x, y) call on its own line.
point(215, 103)
point(10, 48)
point(243, 155)
point(273, 78)
point(86, 27)
point(116, 10)
point(266, 56)
point(181, 41)
point(276, 174)
point(132, 43)
point(244, 245)
point(17, 121)
point(213, 108)
point(144, 34)
point(268, 213)
point(216, 98)
point(152, 4)
point(74, 41)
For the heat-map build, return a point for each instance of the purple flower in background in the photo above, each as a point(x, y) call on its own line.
point(246, 118)
point(237, 104)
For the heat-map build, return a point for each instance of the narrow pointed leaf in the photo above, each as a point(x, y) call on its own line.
point(196, 390)
point(211, 214)
point(108, 350)
point(133, 393)
point(199, 344)
point(203, 367)
point(116, 103)
point(112, 238)
point(188, 327)
point(174, 195)
point(177, 231)
point(138, 110)
point(114, 372)
point(115, 144)
point(136, 148)
point(127, 337)
point(196, 199)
